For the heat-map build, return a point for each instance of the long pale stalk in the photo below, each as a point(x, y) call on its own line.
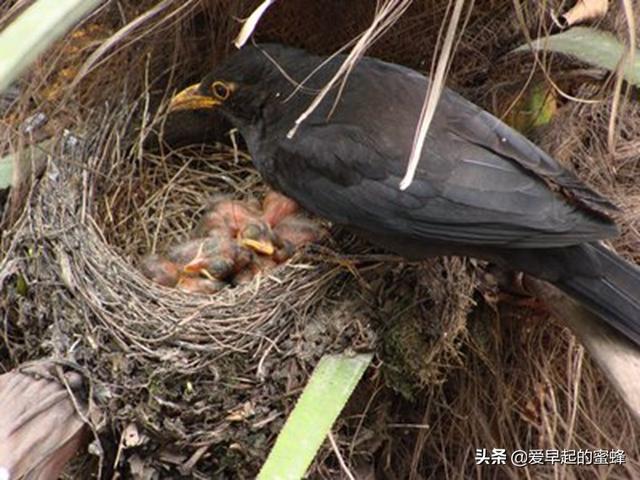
point(34, 31)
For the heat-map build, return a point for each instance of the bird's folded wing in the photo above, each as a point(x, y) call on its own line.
point(479, 127)
point(464, 192)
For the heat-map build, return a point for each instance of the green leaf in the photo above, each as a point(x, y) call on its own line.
point(22, 288)
point(332, 383)
point(536, 107)
point(34, 31)
point(591, 46)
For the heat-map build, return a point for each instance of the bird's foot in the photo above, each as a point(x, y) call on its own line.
point(504, 288)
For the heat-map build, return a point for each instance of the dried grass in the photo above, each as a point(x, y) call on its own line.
point(205, 382)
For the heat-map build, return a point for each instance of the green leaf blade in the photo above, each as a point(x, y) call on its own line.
point(329, 388)
point(591, 46)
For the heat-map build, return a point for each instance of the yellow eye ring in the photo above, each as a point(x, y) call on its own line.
point(220, 90)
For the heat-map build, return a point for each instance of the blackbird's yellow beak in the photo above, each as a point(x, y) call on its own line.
point(191, 99)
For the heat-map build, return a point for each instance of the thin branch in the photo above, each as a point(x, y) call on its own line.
point(251, 23)
point(388, 13)
point(341, 461)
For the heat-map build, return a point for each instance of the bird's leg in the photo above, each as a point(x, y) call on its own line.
point(501, 286)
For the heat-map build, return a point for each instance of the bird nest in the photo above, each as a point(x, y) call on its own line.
point(200, 385)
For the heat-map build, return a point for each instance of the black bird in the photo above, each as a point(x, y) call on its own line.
point(481, 189)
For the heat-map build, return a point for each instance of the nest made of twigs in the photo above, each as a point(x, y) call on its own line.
point(200, 370)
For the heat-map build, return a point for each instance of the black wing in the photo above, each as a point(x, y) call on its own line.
point(479, 182)
point(471, 196)
point(479, 127)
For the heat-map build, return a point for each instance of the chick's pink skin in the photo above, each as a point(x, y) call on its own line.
point(276, 207)
point(200, 285)
point(228, 217)
point(160, 270)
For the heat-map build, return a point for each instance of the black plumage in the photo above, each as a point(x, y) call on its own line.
point(481, 189)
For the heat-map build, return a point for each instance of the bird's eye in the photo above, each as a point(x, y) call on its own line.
point(220, 90)
point(251, 231)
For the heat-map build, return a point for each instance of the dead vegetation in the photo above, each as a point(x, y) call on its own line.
point(199, 386)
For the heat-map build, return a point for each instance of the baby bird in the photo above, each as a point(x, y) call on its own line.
point(293, 233)
point(200, 285)
point(226, 216)
point(288, 236)
point(238, 220)
point(258, 237)
point(160, 270)
point(259, 264)
point(276, 207)
point(215, 256)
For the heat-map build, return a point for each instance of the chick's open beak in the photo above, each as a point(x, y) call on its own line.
point(191, 99)
point(264, 247)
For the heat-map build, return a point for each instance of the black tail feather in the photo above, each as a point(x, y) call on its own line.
point(614, 296)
